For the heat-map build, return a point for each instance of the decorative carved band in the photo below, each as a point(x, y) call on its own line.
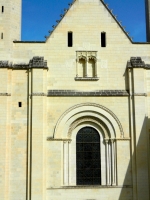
point(88, 93)
point(36, 62)
point(5, 94)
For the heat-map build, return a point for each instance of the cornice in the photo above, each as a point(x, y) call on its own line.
point(35, 62)
point(88, 93)
point(5, 94)
point(137, 62)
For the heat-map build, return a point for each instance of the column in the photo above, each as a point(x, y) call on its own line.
point(95, 68)
point(65, 162)
point(112, 163)
point(86, 68)
point(107, 163)
point(68, 161)
point(76, 67)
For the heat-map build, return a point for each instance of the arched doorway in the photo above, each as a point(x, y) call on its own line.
point(88, 158)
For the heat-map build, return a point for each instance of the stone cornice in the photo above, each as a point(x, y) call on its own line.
point(136, 62)
point(5, 94)
point(90, 187)
point(36, 62)
point(86, 78)
point(38, 94)
point(59, 139)
point(87, 93)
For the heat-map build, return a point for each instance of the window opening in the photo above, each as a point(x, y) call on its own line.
point(88, 157)
point(103, 39)
point(1, 35)
point(2, 9)
point(70, 39)
point(20, 104)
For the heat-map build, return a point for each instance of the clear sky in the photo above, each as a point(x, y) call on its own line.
point(38, 16)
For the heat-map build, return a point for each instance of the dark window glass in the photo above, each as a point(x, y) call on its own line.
point(2, 9)
point(88, 157)
point(1, 35)
point(20, 104)
point(103, 39)
point(70, 39)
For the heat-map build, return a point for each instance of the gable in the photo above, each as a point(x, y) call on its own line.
point(90, 14)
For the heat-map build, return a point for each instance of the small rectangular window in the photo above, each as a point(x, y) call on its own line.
point(1, 35)
point(103, 39)
point(2, 9)
point(20, 104)
point(70, 39)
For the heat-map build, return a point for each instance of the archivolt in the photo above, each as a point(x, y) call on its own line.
point(80, 108)
point(88, 119)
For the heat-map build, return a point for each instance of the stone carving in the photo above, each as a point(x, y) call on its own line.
point(86, 55)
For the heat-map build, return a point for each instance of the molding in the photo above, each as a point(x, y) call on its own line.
point(122, 139)
point(38, 94)
point(86, 78)
point(88, 93)
point(136, 62)
point(91, 104)
point(35, 62)
point(82, 120)
point(28, 41)
point(139, 94)
point(90, 187)
point(5, 94)
point(61, 139)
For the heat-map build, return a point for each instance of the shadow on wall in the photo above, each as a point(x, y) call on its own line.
point(139, 162)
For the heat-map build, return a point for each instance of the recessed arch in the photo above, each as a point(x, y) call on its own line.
point(88, 109)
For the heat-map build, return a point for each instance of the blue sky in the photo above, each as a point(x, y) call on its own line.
point(38, 16)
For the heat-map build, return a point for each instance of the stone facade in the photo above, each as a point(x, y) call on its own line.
point(50, 91)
